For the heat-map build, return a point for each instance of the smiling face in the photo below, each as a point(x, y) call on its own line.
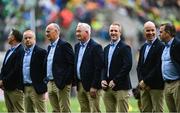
point(29, 38)
point(114, 32)
point(149, 31)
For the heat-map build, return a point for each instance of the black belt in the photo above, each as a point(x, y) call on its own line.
point(27, 84)
point(52, 80)
point(170, 81)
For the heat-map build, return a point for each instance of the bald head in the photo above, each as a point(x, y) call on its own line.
point(32, 33)
point(52, 31)
point(54, 26)
point(149, 24)
point(149, 31)
point(29, 38)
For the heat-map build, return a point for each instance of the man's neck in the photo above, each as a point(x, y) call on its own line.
point(54, 40)
point(84, 41)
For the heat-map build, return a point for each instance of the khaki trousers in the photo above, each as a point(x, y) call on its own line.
point(116, 101)
point(87, 103)
point(172, 96)
point(152, 100)
point(14, 100)
point(59, 99)
point(33, 100)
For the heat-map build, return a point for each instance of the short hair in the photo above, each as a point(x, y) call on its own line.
point(170, 29)
point(56, 26)
point(117, 24)
point(29, 30)
point(85, 26)
point(17, 34)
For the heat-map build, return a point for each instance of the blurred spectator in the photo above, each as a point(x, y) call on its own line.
point(98, 13)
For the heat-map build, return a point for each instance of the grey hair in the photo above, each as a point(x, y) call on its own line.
point(56, 26)
point(86, 27)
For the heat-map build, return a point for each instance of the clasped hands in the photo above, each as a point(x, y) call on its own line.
point(105, 85)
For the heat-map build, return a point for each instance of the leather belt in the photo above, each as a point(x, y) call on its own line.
point(170, 81)
point(27, 84)
point(52, 80)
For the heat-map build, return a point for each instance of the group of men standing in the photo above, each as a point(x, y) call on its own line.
point(29, 71)
point(158, 69)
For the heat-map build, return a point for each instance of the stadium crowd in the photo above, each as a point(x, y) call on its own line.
point(98, 13)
